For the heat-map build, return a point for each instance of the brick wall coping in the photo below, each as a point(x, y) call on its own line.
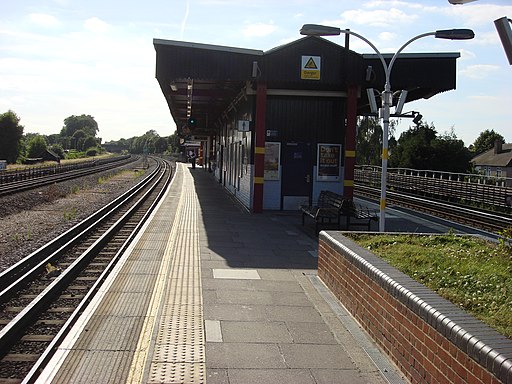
point(479, 341)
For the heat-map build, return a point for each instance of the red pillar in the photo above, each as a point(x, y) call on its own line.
point(350, 142)
point(259, 147)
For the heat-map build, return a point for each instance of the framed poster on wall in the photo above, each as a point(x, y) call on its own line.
point(328, 162)
point(272, 160)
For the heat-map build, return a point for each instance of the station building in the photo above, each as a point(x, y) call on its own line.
point(277, 127)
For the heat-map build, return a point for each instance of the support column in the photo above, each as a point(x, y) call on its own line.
point(350, 142)
point(259, 147)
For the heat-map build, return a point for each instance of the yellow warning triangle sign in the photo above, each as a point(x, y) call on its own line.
point(311, 64)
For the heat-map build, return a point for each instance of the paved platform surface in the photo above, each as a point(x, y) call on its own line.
point(211, 293)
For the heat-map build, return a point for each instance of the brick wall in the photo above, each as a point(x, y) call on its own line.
point(429, 339)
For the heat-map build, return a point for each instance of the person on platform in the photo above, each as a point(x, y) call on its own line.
point(192, 158)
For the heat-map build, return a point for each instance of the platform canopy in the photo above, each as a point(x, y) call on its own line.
point(205, 81)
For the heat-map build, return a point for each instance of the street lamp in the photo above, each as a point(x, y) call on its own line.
point(387, 96)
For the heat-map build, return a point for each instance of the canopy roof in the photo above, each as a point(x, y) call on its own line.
point(205, 81)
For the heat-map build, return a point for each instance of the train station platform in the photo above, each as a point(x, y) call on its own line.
point(209, 293)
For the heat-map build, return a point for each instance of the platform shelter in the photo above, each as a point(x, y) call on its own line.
point(279, 126)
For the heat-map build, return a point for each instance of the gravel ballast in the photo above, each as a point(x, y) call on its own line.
point(30, 219)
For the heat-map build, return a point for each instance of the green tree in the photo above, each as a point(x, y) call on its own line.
point(485, 141)
point(11, 133)
point(89, 142)
point(58, 150)
point(413, 149)
point(161, 144)
point(36, 146)
point(174, 142)
point(421, 148)
point(450, 154)
point(78, 138)
point(369, 141)
point(84, 123)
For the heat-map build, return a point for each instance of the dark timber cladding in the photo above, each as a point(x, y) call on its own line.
point(277, 127)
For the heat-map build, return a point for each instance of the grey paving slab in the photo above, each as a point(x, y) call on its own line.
point(344, 376)
point(235, 312)
point(276, 286)
point(280, 376)
point(217, 376)
point(293, 313)
point(239, 285)
point(310, 333)
point(236, 273)
point(299, 299)
point(244, 355)
point(276, 274)
point(224, 296)
point(316, 356)
point(255, 332)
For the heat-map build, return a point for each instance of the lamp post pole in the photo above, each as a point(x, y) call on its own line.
point(387, 96)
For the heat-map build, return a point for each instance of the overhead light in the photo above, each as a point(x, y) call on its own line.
point(401, 101)
point(371, 100)
point(505, 33)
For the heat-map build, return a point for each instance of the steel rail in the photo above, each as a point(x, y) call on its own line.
point(24, 185)
point(488, 221)
point(59, 338)
point(16, 326)
point(11, 274)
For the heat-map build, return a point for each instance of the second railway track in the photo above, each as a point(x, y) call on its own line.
point(42, 295)
point(488, 221)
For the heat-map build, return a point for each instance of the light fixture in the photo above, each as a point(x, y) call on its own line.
point(386, 95)
point(401, 101)
point(505, 33)
point(371, 99)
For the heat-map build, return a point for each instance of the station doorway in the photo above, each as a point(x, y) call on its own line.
point(297, 175)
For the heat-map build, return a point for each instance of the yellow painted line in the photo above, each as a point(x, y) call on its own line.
point(259, 180)
point(140, 357)
point(383, 204)
point(385, 153)
point(259, 150)
point(350, 153)
point(348, 183)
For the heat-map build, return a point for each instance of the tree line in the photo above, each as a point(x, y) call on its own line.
point(77, 138)
point(420, 147)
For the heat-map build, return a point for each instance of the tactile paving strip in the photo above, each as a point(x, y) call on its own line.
point(179, 355)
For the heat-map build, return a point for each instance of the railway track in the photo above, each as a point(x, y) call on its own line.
point(16, 186)
point(43, 295)
point(488, 221)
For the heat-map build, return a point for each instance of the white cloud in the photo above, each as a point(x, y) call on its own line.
point(479, 71)
point(96, 25)
point(389, 17)
point(258, 30)
point(387, 36)
point(43, 20)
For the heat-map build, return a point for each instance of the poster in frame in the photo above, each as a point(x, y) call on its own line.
point(328, 163)
point(272, 160)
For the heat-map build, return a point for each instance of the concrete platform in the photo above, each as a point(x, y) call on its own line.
point(210, 293)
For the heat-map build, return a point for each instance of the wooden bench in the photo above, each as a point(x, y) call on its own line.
point(363, 215)
point(328, 209)
point(331, 207)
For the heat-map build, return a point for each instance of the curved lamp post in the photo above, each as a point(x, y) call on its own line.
point(387, 96)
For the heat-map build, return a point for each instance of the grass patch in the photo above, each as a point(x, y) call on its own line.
point(70, 214)
point(470, 272)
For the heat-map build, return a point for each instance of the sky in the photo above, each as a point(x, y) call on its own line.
point(71, 57)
